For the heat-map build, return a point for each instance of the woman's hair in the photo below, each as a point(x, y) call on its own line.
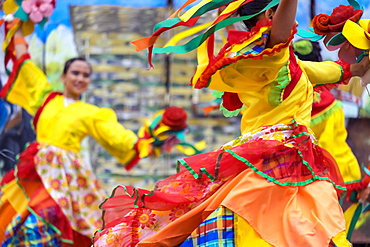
point(253, 8)
point(70, 61)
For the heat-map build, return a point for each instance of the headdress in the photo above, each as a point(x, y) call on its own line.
point(23, 14)
point(342, 30)
point(204, 42)
point(166, 130)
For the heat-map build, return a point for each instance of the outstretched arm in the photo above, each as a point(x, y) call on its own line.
point(19, 44)
point(282, 22)
point(27, 85)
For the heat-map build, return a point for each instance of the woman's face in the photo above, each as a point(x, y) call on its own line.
point(77, 79)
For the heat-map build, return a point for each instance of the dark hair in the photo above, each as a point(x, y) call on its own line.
point(69, 62)
point(253, 8)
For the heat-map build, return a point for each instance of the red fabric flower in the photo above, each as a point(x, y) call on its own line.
point(81, 182)
point(178, 212)
point(63, 202)
point(341, 14)
point(89, 199)
point(69, 178)
point(55, 184)
point(82, 224)
point(320, 24)
point(146, 219)
point(231, 101)
point(175, 117)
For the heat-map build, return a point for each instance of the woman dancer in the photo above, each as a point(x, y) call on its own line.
point(272, 186)
point(52, 198)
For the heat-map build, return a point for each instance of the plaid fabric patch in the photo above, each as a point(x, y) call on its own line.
point(216, 231)
point(257, 46)
point(30, 232)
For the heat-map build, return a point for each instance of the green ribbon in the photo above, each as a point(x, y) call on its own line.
point(197, 41)
point(202, 10)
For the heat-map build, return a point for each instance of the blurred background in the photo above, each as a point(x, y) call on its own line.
point(101, 31)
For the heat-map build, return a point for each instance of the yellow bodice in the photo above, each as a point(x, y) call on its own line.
point(260, 84)
point(66, 126)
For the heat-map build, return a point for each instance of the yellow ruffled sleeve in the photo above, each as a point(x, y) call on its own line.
point(327, 72)
point(249, 74)
point(108, 132)
point(27, 85)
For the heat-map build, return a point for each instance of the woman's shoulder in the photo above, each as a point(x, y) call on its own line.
point(94, 111)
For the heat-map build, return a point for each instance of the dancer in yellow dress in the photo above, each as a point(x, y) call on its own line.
point(52, 197)
point(328, 120)
point(273, 185)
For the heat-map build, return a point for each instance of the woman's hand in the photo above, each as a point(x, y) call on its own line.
point(20, 45)
point(365, 195)
point(365, 79)
point(359, 69)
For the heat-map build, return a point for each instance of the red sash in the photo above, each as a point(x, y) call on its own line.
point(51, 96)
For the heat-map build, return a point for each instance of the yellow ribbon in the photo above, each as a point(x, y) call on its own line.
point(175, 39)
point(190, 151)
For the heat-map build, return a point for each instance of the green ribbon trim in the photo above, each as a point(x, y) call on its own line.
point(191, 170)
point(276, 91)
point(228, 113)
point(362, 55)
point(341, 77)
point(367, 208)
point(353, 181)
point(197, 41)
point(135, 193)
point(202, 10)
point(354, 220)
point(353, 196)
point(204, 170)
point(50, 225)
point(34, 213)
point(217, 94)
point(16, 77)
point(299, 135)
point(189, 145)
point(322, 117)
point(308, 181)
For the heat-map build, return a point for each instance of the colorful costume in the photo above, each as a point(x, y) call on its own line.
point(272, 186)
point(52, 196)
point(328, 125)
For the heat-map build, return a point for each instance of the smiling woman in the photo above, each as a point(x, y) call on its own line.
point(76, 77)
point(52, 192)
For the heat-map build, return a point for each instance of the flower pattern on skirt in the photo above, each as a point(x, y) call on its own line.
point(73, 186)
point(148, 222)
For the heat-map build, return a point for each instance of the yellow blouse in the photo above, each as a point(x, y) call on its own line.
point(258, 82)
point(66, 126)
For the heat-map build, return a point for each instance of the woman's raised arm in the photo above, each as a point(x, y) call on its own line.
point(282, 23)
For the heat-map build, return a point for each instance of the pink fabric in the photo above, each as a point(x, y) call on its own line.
point(38, 9)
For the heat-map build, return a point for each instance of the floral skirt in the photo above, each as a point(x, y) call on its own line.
point(50, 199)
point(270, 187)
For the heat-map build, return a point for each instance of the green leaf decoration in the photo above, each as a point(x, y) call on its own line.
point(217, 94)
point(21, 14)
point(337, 39)
point(309, 35)
point(204, 9)
point(19, 2)
point(197, 41)
point(356, 5)
point(42, 23)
